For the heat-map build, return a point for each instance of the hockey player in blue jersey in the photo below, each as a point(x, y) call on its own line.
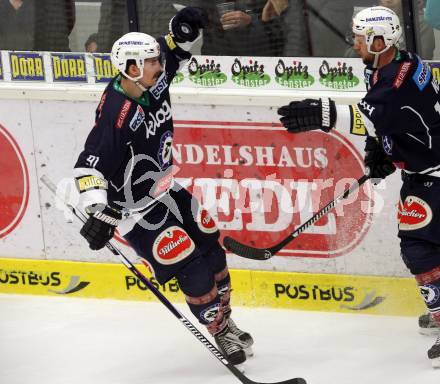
point(400, 115)
point(125, 179)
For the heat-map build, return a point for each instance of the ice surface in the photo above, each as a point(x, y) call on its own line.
point(59, 340)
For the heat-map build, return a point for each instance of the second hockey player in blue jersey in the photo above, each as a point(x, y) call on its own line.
point(125, 179)
point(400, 115)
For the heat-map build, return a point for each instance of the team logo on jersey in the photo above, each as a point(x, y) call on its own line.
point(205, 222)
point(172, 245)
point(156, 120)
point(210, 313)
point(430, 293)
point(160, 86)
point(164, 155)
point(414, 213)
point(387, 144)
point(138, 119)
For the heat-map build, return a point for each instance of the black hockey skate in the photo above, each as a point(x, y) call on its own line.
point(244, 338)
point(230, 346)
point(427, 325)
point(434, 353)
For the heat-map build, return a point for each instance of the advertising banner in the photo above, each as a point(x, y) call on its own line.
point(259, 182)
point(300, 291)
point(27, 66)
point(229, 72)
point(103, 69)
point(21, 233)
point(14, 180)
point(223, 72)
point(255, 179)
point(68, 67)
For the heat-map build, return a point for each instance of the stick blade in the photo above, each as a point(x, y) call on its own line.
point(246, 251)
point(297, 380)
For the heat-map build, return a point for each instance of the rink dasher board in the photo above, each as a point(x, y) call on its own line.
point(221, 150)
point(283, 290)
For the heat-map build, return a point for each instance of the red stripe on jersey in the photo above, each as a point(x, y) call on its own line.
point(102, 101)
point(375, 77)
point(401, 75)
point(123, 113)
point(99, 109)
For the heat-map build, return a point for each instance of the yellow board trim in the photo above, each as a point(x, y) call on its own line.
point(287, 290)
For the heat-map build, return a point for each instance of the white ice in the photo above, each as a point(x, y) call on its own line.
point(47, 340)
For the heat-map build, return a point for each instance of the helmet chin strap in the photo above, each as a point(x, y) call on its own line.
point(377, 55)
point(140, 86)
point(376, 60)
point(136, 81)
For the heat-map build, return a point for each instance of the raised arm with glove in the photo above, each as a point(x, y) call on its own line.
point(186, 25)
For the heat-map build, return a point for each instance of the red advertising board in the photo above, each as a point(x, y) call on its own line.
point(260, 183)
point(14, 183)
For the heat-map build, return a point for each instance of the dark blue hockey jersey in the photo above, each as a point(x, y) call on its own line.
point(128, 151)
point(402, 106)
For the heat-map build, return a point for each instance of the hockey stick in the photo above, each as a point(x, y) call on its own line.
point(188, 325)
point(266, 253)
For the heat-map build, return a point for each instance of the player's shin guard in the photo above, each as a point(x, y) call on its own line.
point(429, 285)
point(223, 281)
point(211, 312)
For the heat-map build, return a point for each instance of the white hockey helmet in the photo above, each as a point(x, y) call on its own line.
point(378, 21)
point(134, 46)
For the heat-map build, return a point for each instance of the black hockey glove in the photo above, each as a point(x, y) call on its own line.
point(100, 226)
point(308, 115)
point(378, 162)
point(185, 25)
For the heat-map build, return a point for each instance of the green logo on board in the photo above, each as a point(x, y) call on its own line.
point(208, 74)
point(178, 78)
point(293, 76)
point(251, 75)
point(339, 77)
